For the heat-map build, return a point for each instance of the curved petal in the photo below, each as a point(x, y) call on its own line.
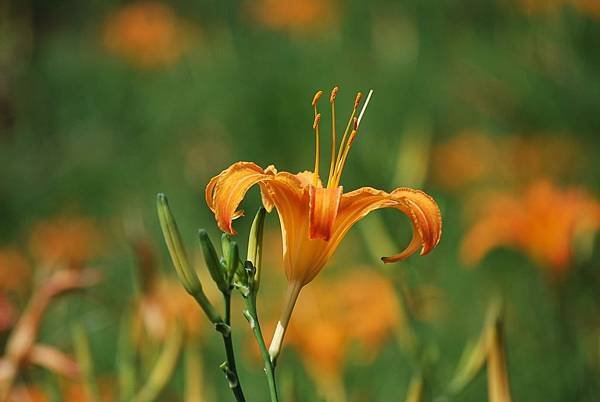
point(422, 210)
point(427, 217)
point(225, 191)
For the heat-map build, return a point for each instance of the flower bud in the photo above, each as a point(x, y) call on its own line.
point(216, 270)
point(255, 240)
point(187, 276)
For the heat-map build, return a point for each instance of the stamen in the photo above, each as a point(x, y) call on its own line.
point(316, 128)
point(316, 122)
point(334, 92)
point(344, 154)
point(342, 144)
point(316, 98)
point(357, 100)
point(340, 166)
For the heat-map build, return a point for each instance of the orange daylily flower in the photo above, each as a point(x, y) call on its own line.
point(473, 158)
point(66, 242)
point(315, 218)
point(162, 306)
point(148, 34)
point(331, 321)
point(15, 272)
point(293, 15)
point(543, 222)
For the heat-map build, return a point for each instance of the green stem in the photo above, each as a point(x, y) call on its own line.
point(293, 291)
point(252, 316)
point(231, 368)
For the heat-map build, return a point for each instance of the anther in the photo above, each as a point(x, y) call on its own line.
point(334, 92)
point(316, 98)
point(316, 122)
point(357, 100)
point(351, 139)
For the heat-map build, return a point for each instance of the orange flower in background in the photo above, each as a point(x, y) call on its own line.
point(8, 313)
point(359, 307)
point(165, 304)
point(22, 347)
point(75, 391)
point(536, 6)
point(147, 34)
point(27, 394)
point(293, 15)
point(315, 218)
point(366, 294)
point(588, 7)
point(65, 242)
point(474, 158)
point(14, 270)
point(15, 275)
point(543, 222)
point(464, 159)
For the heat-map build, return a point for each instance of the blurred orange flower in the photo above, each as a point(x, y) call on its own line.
point(147, 34)
point(464, 159)
point(14, 270)
point(293, 15)
point(543, 222)
point(536, 6)
point(589, 7)
point(22, 347)
point(27, 394)
point(473, 158)
point(65, 242)
point(165, 303)
point(8, 313)
point(361, 306)
point(75, 391)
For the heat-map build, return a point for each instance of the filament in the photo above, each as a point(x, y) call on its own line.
point(316, 128)
point(333, 134)
point(332, 183)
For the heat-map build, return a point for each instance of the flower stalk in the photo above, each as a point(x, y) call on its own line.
point(253, 268)
point(293, 291)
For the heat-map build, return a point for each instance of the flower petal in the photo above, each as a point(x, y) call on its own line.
point(323, 208)
point(225, 191)
point(288, 193)
point(418, 206)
